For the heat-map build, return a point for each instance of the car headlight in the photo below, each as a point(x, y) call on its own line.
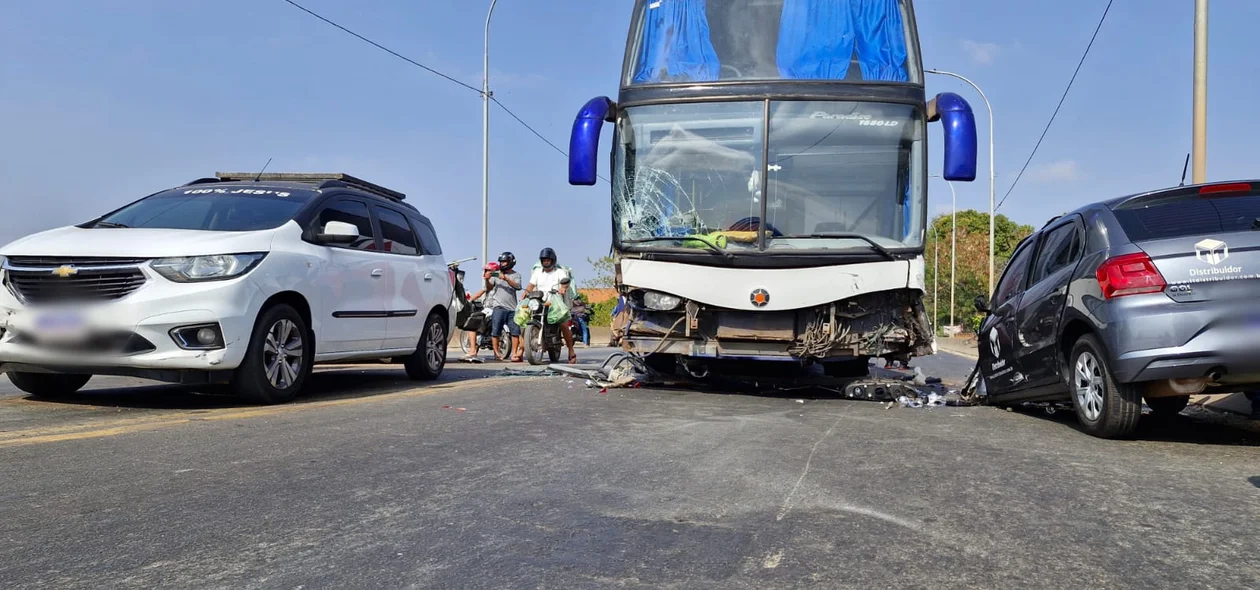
point(192, 269)
point(660, 301)
point(534, 304)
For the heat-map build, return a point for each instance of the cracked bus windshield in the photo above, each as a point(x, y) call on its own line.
point(691, 176)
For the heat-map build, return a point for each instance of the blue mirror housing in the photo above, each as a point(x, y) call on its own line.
point(584, 140)
point(960, 136)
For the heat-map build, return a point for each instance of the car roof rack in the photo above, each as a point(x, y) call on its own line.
point(319, 179)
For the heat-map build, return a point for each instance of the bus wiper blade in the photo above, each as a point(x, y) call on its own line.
point(852, 236)
point(707, 244)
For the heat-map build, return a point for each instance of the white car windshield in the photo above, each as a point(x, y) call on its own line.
point(210, 209)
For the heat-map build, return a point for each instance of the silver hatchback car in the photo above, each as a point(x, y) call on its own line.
point(1152, 296)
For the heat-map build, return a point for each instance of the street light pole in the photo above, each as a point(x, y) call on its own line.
point(953, 248)
point(936, 281)
point(992, 173)
point(485, 142)
point(1200, 90)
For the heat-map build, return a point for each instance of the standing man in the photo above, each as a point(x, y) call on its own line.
point(503, 286)
point(580, 314)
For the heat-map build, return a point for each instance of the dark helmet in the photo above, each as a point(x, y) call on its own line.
point(549, 254)
point(507, 259)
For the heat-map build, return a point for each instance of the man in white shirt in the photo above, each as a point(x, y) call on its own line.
point(545, 279)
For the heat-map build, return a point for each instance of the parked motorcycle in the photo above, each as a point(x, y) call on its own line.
point(479, 322)
point(540, 335)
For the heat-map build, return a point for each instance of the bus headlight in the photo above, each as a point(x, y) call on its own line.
point(660, 301)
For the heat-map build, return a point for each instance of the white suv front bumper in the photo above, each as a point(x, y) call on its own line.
point(152, 312)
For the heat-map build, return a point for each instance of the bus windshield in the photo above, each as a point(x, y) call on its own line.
point(837, 175)
point(677, 41)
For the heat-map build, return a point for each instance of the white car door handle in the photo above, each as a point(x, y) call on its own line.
point(428, 276)
point(378, 273)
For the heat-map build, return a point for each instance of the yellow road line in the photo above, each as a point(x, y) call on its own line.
point(116, 427)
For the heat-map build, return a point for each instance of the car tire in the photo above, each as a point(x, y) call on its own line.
point(273, 372)
point(427, 362)
point(49, 385)
point(1167, 407)
point(1105, 409)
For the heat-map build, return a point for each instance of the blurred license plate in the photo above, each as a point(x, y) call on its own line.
point(61, 326)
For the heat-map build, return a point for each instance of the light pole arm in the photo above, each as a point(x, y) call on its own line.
point(485, 141)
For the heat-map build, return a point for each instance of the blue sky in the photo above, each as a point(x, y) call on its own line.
point(101, 103)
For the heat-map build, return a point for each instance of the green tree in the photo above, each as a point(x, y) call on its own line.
point(972, 272)
point(605, 277)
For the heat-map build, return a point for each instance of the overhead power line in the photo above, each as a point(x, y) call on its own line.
point(435, 72)
point(383, 48)
point(1056, 109)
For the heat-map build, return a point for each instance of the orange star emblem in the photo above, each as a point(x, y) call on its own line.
point(760, 297)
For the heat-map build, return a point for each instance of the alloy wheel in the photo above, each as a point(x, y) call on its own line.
point(435, 347)
point(1088, 386)
point(283, 354)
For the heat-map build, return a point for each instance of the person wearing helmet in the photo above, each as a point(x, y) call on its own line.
point(546, 277)
point(503, 286)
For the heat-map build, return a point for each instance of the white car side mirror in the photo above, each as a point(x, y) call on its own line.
point(338, 232)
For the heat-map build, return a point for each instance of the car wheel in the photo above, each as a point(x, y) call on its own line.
point(278, 359)
point(49, 385)
point(427, 362)
point(1105, 409)
point(1168, 406)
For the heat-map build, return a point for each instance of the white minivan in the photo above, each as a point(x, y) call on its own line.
point(244, 280)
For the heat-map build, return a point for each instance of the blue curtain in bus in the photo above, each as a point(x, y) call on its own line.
point(905, 211)
point(881, 39)
point(676, 44)
point(817, 39)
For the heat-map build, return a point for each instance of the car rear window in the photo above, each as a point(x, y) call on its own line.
point(1191, 215)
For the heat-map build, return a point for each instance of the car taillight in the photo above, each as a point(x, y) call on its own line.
point(1131, 274)
point(1231, 187)
point(452, 275)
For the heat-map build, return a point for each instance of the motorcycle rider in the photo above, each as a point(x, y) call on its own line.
point(545, 279)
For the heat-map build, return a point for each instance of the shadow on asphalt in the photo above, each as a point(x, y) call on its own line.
point(1193, 426)
point(326, 383)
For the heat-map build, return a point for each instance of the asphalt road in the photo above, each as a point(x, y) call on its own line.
point(485, 481)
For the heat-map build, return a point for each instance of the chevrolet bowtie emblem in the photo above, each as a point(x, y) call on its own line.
point(65, 270)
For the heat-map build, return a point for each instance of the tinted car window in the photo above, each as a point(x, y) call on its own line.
point(396, 232)
point(1060, 248)
point(428, 238)
point(1013, 279)
point(354, 213)
point(1190, 216)
point(208, 209)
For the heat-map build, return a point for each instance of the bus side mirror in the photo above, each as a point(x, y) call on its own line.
point(959, 123)
point(584, 140)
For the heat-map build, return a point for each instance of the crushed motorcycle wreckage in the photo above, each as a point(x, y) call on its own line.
point(627, 370)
